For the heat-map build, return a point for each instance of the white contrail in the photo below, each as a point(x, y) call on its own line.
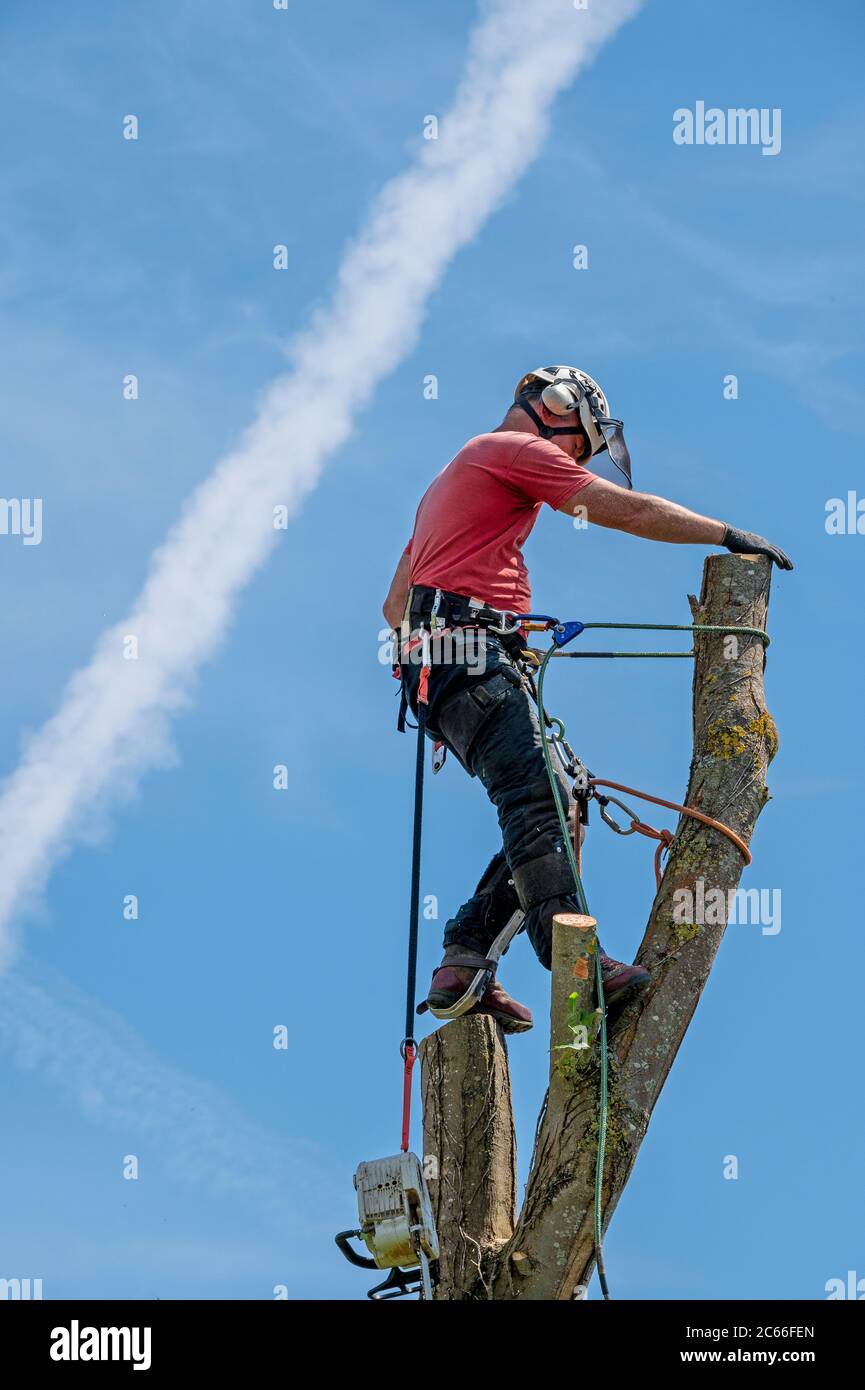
point(112, 721)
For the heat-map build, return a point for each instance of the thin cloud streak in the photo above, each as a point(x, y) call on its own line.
point(113, 720)
point(187, 1126)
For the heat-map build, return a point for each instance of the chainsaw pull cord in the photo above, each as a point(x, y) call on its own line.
point(599, 981)
point(408, 1046)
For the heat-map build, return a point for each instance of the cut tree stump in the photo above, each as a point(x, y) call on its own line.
point(548, 1251)
point(469, 1136)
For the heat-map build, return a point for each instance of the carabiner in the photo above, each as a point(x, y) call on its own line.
point(544, 618)
point(604, 802)
point(503, 630)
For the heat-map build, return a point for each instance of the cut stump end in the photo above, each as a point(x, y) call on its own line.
point(575, 920)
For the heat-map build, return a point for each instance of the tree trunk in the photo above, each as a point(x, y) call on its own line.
point(470, 1149)
point(466, 1089)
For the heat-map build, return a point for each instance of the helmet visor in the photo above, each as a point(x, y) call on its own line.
point(613, 432)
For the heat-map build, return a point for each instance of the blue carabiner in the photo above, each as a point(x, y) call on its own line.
point(562, 632)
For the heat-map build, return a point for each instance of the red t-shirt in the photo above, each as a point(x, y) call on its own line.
point(473, 520)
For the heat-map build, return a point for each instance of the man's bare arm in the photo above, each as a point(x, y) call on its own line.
point(658, 519)
point(394, 604)
point(641, 514)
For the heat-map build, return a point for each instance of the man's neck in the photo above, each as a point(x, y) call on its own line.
point(516, 422)
point(515, 425)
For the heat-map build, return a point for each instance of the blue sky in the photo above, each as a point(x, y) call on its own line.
point(260, 908)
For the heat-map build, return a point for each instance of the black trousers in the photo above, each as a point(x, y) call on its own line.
point(487, 718)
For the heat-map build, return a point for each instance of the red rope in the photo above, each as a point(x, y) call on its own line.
point(665, 837)
point(406, 1096)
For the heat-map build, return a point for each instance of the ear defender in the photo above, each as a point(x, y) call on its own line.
point(560, 397)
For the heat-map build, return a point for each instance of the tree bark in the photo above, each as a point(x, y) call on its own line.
point(549, 1254)
point(470, 1146)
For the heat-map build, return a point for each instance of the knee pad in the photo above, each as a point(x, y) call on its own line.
point(549, 876)
point(539, 926)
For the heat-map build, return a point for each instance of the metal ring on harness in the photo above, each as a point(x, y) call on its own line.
point(505, 630)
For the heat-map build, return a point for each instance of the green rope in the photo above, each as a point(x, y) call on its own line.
point(662, 627)
point(685, 627)
point(584, 656)
point(599, 982)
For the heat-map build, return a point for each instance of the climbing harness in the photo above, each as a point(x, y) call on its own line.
point(394, 1207)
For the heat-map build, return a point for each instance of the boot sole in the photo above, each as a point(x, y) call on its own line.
point(506, 1022)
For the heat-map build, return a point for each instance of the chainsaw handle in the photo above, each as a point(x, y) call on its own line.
point(362, 1261)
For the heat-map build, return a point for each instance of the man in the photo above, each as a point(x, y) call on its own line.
point(462, 570)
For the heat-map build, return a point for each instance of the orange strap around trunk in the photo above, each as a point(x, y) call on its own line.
point(665, 837)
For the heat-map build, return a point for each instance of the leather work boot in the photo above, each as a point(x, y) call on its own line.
point(450, 982)
point(621, 982)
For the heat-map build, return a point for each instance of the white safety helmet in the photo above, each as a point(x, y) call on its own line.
point(567, 389)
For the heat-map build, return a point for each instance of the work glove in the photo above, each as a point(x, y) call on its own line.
point(747, 543)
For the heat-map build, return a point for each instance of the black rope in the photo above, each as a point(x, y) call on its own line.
point(414, 911)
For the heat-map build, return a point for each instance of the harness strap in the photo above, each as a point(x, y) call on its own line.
point(440, 612)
